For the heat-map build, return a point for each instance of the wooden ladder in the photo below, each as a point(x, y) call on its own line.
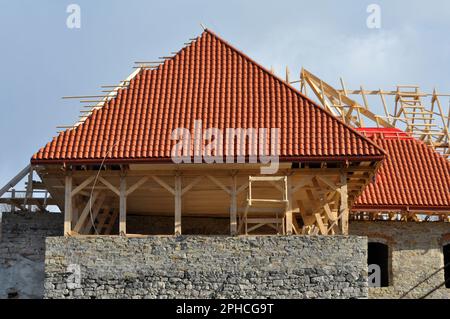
point(254, 204)
point(106, 220)
point(418, 120)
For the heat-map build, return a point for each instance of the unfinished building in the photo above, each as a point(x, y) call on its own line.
point(137, 224)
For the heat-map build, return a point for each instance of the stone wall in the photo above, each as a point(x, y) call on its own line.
point(415, 254)
point(22, 247)
point(206, 267)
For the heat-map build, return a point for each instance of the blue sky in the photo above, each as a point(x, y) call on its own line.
point(42, 60)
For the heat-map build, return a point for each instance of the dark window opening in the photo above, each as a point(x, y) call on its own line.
point(378, 254)
point(446, 251)
point(12, 294)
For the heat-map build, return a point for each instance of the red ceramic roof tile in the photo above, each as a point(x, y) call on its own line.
point(212, 81)
point(413, 176)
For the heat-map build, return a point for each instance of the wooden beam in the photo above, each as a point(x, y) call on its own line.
point(191, 185)
point(112, 221)
point(13, 195)
point(164, 185)
point(103, 218)
point(13, 182)
point(29, 193)
point(178, 190)
point(323, 229)
point(303, 182)
point(109, 185)
point(95, 211)
point(218, 183)
point(328, 182)
point(123, 205)
point(87, 209)
point(68, 204)
point(343, 209)
point(83, 185)
point(138, 184)
point(233, 206)
point(289, 206)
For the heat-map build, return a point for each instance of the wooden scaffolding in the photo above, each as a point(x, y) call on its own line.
point(421, 114)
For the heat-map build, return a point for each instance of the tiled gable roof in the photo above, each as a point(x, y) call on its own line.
point(208, 80)
point(413, 176)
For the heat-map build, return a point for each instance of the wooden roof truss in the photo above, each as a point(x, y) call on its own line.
point(423, 115)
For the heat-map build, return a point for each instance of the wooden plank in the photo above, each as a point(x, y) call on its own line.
point(264, 220)
point(177, 230)
point(323, 229)
point(83, 185)
point(191, 185)
point(289, 206)
point(233, 207)
point(138, 184)
point(103, 218)
point(343, 209)
point(328, 182)
point(123, 206)
point(256, 227)
point(13, 195)
point(95, 211)
point(87, 209)
point(295, 226)
point(219, 183)
point(303, 182)
point(164, 185)
point(112, 222)
point(266, 178)
point(109, 185)
point(68, 204)
point(13, 182)
point(29, 193)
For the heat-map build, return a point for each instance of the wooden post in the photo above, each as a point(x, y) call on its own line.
point(123, 206)
point(29, 192)
point(13, 195)
point(68, 204)
point(289, 217)
point(233, 206)
point(343, 210)
point(177, 205)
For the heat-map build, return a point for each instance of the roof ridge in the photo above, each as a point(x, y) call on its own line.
point(288, 85)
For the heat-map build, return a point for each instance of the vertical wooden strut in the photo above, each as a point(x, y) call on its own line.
point(68, 204)
point(177, 205)
point(233, 206)
point(343, 209)
point(123, 205)
point(289, 214)
point(13, 196)
point(29, 193)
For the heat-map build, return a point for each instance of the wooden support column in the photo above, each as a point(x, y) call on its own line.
point(233, 206)
point(29, 191)
point(123, 205)
point(343, 209)
point(13, 196)
point(68, 204)
point(289, 206)
point(178, 191)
